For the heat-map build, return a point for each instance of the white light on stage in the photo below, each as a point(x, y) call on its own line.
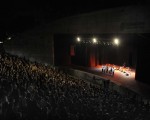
point(9, 38)
point(116, 41)
point(1, 42)
point(78, 39)
point(94, 40)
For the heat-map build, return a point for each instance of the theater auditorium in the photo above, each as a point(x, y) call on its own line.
point(93, 65)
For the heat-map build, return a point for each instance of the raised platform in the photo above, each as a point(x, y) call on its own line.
point(120, 78)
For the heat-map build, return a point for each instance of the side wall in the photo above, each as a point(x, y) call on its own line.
point(36, 46)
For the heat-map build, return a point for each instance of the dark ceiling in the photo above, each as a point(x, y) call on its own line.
point(17, 17)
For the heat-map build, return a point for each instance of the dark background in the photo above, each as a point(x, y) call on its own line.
point(19, 16)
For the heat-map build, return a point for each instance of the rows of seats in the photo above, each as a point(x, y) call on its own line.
point(33, 91)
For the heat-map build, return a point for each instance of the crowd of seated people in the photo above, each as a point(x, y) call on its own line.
point(33, 91)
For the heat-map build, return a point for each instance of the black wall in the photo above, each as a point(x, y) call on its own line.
point(143, 62)
point(62, 49)
point(89, 54)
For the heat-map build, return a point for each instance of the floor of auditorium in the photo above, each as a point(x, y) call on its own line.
point(120, 78)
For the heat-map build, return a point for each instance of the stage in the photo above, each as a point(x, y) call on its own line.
point(120, 77)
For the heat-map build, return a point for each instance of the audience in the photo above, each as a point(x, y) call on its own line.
point(33, 91)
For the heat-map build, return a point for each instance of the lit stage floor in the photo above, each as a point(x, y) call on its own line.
point(119, 78)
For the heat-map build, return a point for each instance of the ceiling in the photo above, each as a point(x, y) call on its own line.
point(20, 16)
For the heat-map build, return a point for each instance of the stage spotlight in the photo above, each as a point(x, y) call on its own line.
point(78, 39)
point(94, 40)
point(116, 41)
point(9, 38)
point(1, 42)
